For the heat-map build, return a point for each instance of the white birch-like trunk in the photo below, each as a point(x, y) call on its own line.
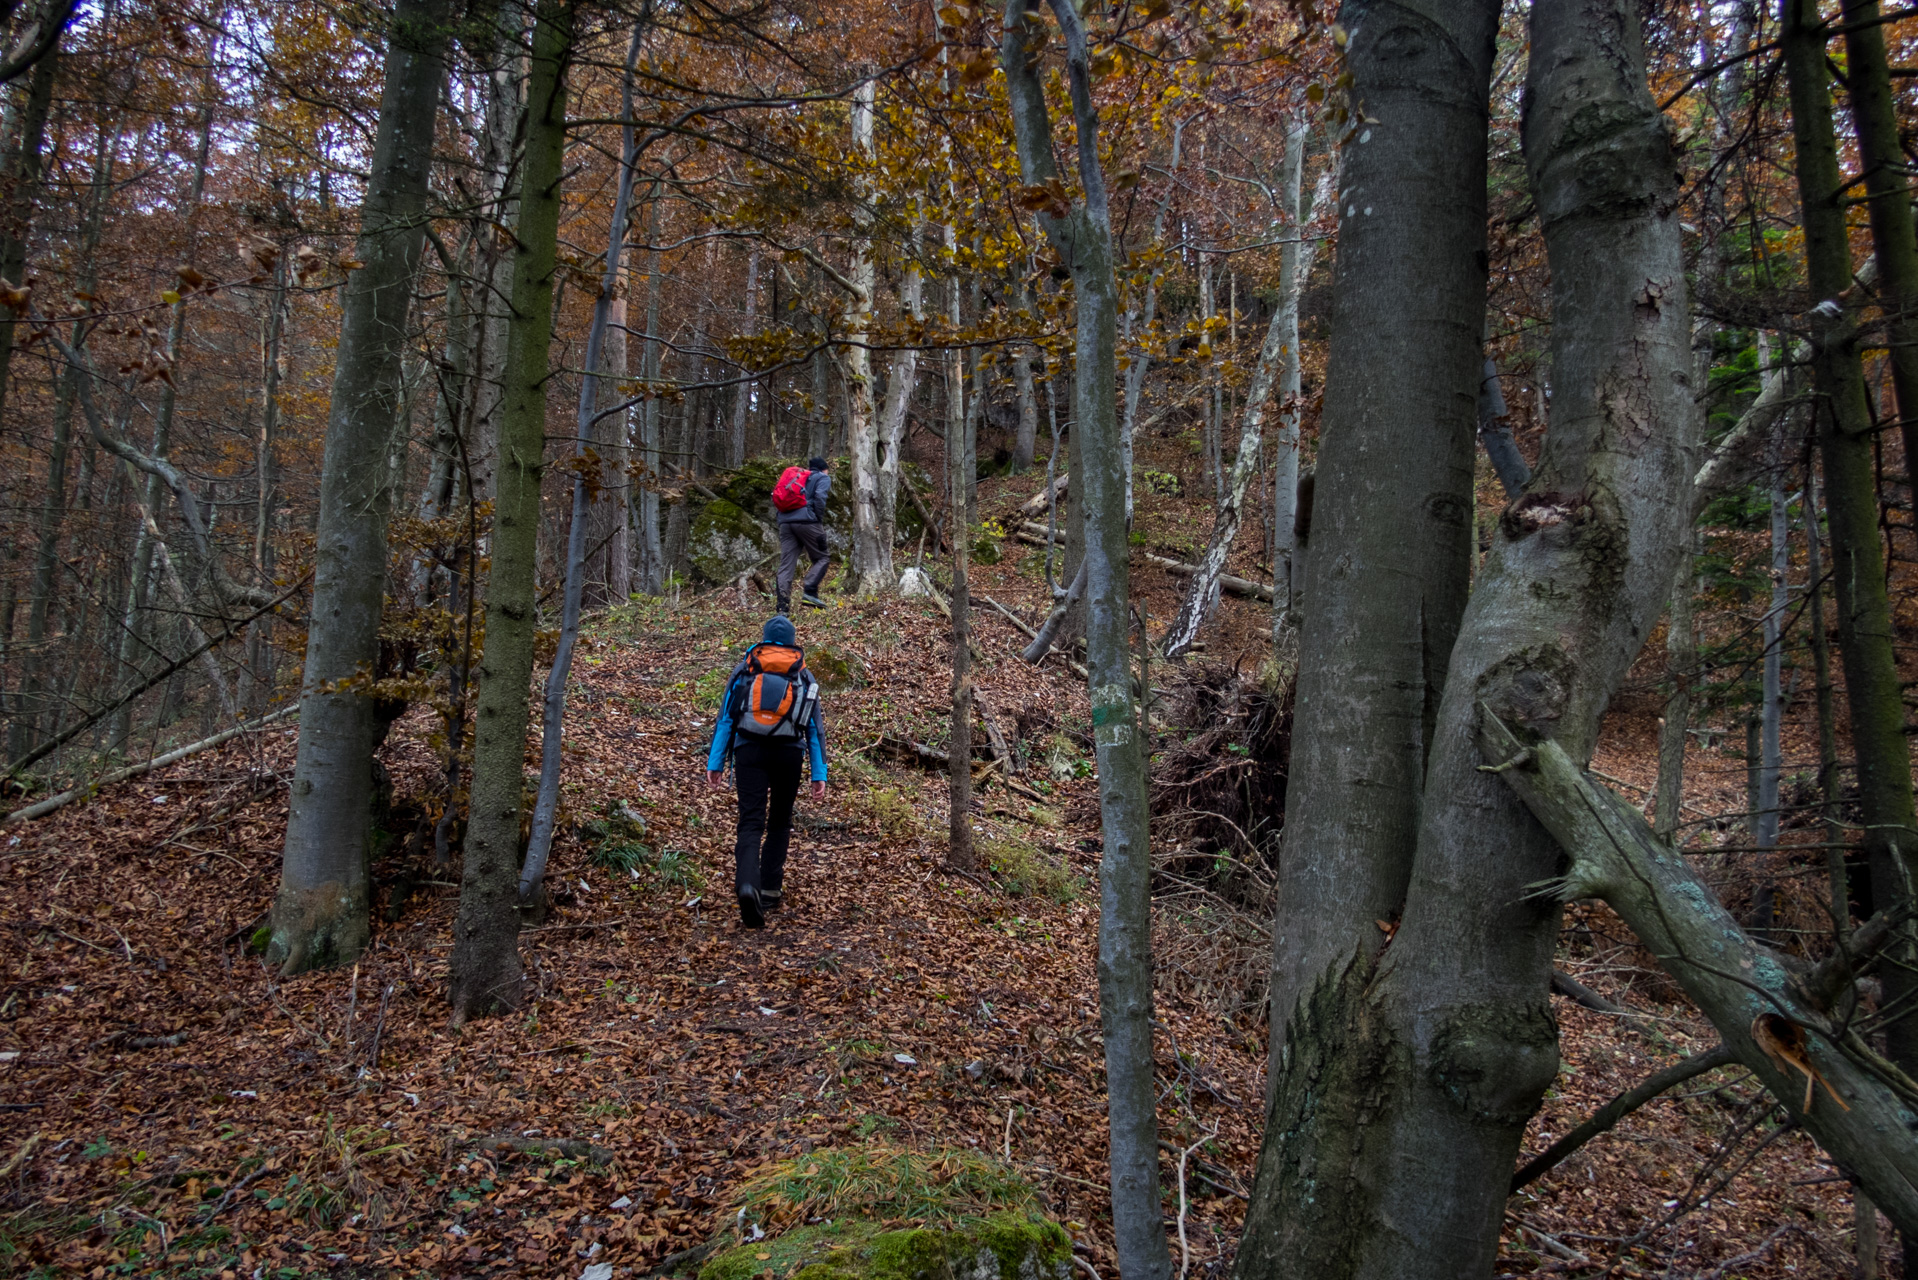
point(871, 559)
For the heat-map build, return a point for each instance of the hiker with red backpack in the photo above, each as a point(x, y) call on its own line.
point(800, 500)
point(769, 720)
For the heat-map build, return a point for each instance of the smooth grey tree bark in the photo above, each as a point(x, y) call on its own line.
point(1392, 491)
point(901, 380)
point(1408, 1072)
point(485, 966)
point(320, 913)
point(1081, 235)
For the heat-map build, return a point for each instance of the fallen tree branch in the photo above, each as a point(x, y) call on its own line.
point(61, 739)
point(42, 808)
point(1618, 1108)
point(1748, 995)
point(1042, 643)
point(1227, 582)
point(1577, 992)
point(1077, 667)
point(1039, 501)
point(933, 758)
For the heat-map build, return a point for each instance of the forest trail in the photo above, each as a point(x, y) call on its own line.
point(178, 1110)
point(889, 1001)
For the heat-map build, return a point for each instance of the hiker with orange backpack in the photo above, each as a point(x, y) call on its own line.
point(800, 499)
point(769, 720)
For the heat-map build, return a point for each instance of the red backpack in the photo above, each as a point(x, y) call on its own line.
point(790, 493)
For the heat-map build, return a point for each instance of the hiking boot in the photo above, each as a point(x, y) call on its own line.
point(783, 605)
point(751, 913)
point(770, 899)
point(812, 601)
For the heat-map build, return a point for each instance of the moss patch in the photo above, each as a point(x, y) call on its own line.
point(834, 670)
point(725, 541)
point(1006, 1246)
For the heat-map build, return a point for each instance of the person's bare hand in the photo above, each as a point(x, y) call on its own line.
point(819, 791)
point(714, 777)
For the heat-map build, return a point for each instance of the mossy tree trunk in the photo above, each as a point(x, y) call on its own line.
point(320, 914)
point(485, 968)
point(1409, 1070)
point(1082, 237)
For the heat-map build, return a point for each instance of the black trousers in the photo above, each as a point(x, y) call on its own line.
point(768, 778)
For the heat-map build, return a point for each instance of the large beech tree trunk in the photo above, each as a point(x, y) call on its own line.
point(1408, 1072)
point(1391, 542)
point(1082, 238)
point(320, 914)
point(486, 968)
point(1844, 430)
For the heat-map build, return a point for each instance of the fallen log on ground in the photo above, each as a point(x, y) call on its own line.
point(933, 758)
point(1858, 1106)
point(1037, 502)
point(1227, 582)
point(42, 808)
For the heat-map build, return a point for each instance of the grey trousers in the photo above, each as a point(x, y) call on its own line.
point(807, 535)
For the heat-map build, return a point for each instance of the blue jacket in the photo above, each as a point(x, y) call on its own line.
point(723, 733)
point(818, 485)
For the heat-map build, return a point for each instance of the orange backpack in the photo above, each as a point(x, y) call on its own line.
point(777, 696)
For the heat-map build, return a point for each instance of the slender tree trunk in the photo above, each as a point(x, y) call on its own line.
point(1026, 443)
point(546, 805)
point(1874, 118)
point(1083, 241)
point(1286, 440)
point(743, 399)
point(1140, 353)
point(653, 569)
point(871, 567)
point(320, 915)
point(1681, 663)
point(1404, 1083)
point(1278, 359)
point(51, 516)
point(959, 852)
point(609, 575)
point(900, 385)
point(22, 175)
point(1836, 876)
point(485, 965)
point(1844, 432)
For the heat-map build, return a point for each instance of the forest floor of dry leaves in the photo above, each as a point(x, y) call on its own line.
point(170, 1106)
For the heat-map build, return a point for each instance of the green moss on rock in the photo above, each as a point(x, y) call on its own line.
point(1006, 1246)
point(725, 541)
point(834, 670)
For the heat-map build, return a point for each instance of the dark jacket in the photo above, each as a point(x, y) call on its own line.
point(818, 485)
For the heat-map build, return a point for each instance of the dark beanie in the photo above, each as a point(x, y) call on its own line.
point(779, 630)
point(816, 464)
